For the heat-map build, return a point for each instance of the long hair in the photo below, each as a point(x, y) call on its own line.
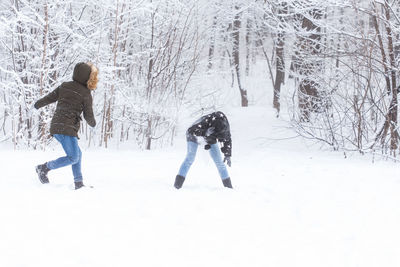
point(93, 79)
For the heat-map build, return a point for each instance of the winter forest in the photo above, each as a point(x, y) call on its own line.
point(310, 89)
point(333, 64)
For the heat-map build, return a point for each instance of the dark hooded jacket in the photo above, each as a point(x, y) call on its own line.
point(213, 127)
point(72, 98)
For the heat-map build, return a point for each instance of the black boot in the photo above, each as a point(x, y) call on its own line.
point(79, 185)
point(179, 181)
point(42, 171)
point(227, 182)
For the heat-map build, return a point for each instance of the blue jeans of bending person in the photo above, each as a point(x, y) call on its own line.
point(73, 157)
point(214, 153)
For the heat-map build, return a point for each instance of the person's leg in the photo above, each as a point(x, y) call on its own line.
point(190, 156)
point(183, 170)
point(71, 148)
point(216, 156)
point(223, 172)
point(76, 168)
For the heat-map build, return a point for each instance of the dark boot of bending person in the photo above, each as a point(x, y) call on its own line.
point(227, 182)
point(212, 127)
point(179, 181)
point(73, 98)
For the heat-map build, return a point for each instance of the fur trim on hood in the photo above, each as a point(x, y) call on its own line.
point(93, 79)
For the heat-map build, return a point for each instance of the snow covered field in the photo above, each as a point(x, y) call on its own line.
point(292, 205)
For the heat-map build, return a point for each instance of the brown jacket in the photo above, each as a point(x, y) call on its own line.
point(72, 98)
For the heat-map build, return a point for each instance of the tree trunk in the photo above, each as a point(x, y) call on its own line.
point(211, 50)
point(248, 44)
point(236, 55)
point(390, 77)
point(42, 124)
point(382, 49)
point(108, 132)
point(309, 46)
point(393, 110)
point(280, 58)
point(148, 134)
point(148, 130)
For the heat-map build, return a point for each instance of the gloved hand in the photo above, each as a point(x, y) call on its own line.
point(228, 161)
point(197, 132)
point(207, 147)
point(36, 106)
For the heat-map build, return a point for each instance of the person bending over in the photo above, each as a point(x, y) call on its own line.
point(212, 127)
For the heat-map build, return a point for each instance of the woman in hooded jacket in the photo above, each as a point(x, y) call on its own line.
point(72, 99)
point(212, 127)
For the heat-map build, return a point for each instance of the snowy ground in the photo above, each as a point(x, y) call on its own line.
point(292, 205)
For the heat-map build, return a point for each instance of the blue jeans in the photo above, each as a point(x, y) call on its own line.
point(74, 156)
point(191, 155)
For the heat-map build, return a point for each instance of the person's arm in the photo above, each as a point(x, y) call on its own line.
point(200, 127)
point(227, 147)
point(225, 137)
point(88, 110)
point(48, 99)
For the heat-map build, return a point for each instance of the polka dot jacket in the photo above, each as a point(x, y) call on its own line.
point(212, 127)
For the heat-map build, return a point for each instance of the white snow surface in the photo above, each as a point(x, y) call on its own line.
point(293, 204)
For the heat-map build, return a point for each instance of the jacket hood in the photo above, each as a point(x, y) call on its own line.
point(81, 73)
